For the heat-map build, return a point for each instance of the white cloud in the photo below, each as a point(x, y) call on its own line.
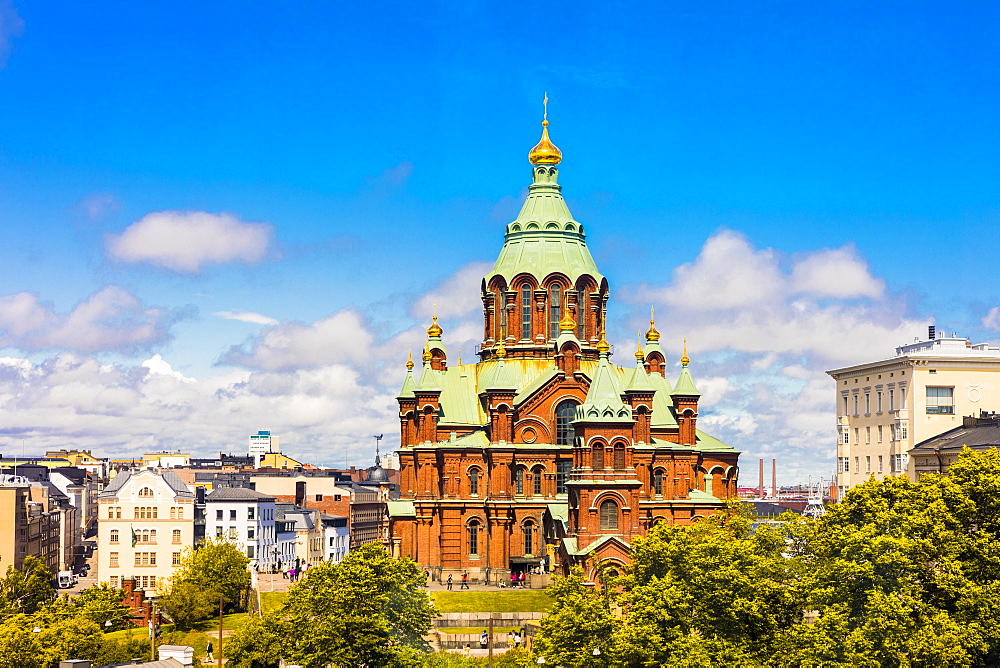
point(992, 319)
point(762, 330)
point(247, 316)
point(187, 241)
point(11, 26)
point(456, 297)
point(109, 319)
point(97, 205)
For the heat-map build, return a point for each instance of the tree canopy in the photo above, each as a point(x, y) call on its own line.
point(26, 589)
point(368, 610)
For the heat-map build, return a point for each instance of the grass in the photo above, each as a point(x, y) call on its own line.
point(476, 630)
point(272, 600)
point(492, 601)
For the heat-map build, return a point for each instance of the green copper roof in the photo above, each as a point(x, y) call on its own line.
point(685, 384)
point(408, 385)
point(545, 239)
point(639, 379)
point(604, 398)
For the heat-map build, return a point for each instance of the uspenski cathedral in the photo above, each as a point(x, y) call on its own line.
point(544, 454)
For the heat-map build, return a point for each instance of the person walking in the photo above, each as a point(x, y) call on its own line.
point(465, 581)
point(208, 651)
point(484, 640)
point(450, 582)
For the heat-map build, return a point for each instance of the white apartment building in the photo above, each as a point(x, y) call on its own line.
point(145, 520)
point(885, 407)
point(247, 518)
point(336, 537)
point(262, 443)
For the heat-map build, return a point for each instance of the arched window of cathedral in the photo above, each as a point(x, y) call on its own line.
point(538, 472)
point(555, 310)
point(609, 516)
point(658, 482)
point(597, 460)
point(519, 481)
point(565, 412)
point(474, 481)
point(525, 311)
point(581, 313)
point(529, 537)
point(473, 538)
point(619, 456)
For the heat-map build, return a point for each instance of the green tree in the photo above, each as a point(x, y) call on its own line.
point(218, 566)
point(579, 623)
point(257, 644)
point(715, 590)
point(187, 603)
point(369, 610)
point(27, 589)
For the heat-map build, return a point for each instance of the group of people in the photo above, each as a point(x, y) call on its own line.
point(292, 573)
point(516, 579)
point(451, 581)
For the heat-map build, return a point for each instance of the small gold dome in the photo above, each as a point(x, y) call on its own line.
point(602, 345)
point(545, 152)
point(639, 355)
point(501, 351)
point(434, 331)
point(567, 323)
point(427, 353)
point(409, 360)
point(685, 360)
point(652, 335)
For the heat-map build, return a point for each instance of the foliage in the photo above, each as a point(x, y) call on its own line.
point(368, 610)
point(100, 603)
point(26, 590)
point(217, 566)
point(897, 574)
point(258, 644)
point(187, 603)
point(580, 624)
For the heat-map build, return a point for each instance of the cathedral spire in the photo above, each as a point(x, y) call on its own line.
point(651, 334)
point(685, 383)
point(545, 152)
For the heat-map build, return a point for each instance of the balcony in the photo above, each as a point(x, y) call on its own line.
point(843, 421)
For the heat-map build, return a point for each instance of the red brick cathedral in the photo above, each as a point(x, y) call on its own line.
point(544, 453)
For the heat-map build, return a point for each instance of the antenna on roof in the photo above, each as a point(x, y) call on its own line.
point(378, 442)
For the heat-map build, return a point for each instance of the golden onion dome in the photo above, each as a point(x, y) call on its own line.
point(409, 360)
point(434, 331)
point(567, 323)
point(652, 334)
point(545, 152)
point(685, 360)
point(639, 355)
point(427, 353)
point(602, 345)
point(501, 351)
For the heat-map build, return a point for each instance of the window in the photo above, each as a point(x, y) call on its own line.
point(619, 456)
point(519, 480)
point(892, 400)
point(609, 516)
point(563, 467)
point(857, 435)
point(218, 532)
point(525, 311)
point(218, 514)
point(868, 403)
point(175, 559)
point(940, 400)
point(880, 463)
point(856, 466)
point(658, 482)
point(113, 559)
point(565, 412)
point(111, 513)
point(319, 497)
point(855, 404)
point(878, 401)
point(537, 482)
point(581, 314)
point(474, 481)
point(845, 436)
point(901, 431)
point(529, 535)
point(114, 581)
point(232, 514)
point(555, 310)
point(843, 464)
point(175, 537)
point(868, 434)
point(145, 493)
point(114, 536)
point(251, 513)
point(250, 551)
point(845, 405)
point(597, 460)
point(473, 537)
point(880, 433)
point(251, 534)
point(868, 464)
point(118, 513)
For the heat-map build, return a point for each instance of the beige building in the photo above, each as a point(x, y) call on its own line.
point(145, 520)
point(31, 524)
point(885, 407)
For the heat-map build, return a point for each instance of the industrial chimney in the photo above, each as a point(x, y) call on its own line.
point(774, 478)
point(760, 488)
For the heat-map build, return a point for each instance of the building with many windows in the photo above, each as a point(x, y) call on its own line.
point(544, 453)
point(885, 407)
point(246, 518)
point(145, 520)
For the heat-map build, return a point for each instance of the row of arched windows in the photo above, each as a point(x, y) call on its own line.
point(557, 293)
point(146, 513)
point(597, 459)
point(609, 513)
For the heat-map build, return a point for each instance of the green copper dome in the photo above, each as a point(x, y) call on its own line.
point(545, 239)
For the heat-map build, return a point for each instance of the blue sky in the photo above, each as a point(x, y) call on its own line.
point(766, 174)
